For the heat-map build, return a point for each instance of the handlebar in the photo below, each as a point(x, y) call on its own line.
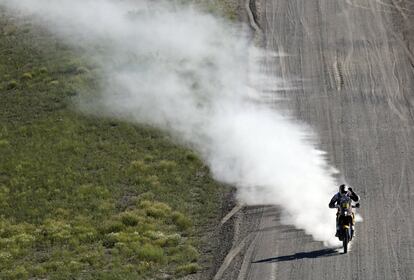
point(353, 206)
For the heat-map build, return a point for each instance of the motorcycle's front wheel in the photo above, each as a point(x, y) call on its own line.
point(345, 241)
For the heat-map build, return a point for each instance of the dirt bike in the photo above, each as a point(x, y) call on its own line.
point(345, 222)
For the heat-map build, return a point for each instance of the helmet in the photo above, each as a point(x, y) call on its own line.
point(342, 188)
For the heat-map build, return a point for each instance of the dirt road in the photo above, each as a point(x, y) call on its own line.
point(351, 65)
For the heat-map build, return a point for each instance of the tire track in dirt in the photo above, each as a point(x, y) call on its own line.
point(356, 77)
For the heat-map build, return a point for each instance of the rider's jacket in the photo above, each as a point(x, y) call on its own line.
point(338, 197)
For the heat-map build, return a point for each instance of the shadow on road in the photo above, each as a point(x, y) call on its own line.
point(302, 255)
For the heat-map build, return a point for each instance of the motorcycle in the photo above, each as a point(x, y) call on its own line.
point(345, 223)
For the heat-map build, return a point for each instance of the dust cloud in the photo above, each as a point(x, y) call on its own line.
point(196, 76)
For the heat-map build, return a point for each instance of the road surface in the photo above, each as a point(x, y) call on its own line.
point(351, 65)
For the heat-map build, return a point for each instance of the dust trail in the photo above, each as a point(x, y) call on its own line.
point(193, 75)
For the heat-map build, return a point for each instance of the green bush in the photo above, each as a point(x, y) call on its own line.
point(82, 70)
point(186, 269)
point(150, 252)
point(11, 85)
point(112, 226)
point(17, 273)
point(190, 253)
point(191, 156)
point(167, 165)
point(85, 233)
point(5, 257)
point(39, 271)
point(181, 220)
point(173, 239)
point(43, 70)
point(55, 231)
point(149, 196)
point(27, 76)
point(4, 143)
point(130, 219)
point(140, 166)
point(154, 235)
point(155, 209)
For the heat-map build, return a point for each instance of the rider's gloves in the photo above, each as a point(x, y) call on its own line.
point(350, 189)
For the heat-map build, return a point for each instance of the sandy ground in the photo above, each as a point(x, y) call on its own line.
point(352, 66)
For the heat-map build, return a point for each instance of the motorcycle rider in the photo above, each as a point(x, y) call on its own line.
point(336, 199)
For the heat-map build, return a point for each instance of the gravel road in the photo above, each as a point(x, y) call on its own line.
point(351, 65)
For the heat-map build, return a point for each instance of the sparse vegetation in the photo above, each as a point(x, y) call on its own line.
point(223, 8)
point(11, 85)
point(27, 76)
point(83, 197)
point(187, 269)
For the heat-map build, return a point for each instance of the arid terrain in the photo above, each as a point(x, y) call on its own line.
point(349, 67)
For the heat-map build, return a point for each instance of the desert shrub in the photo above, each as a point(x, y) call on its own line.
point(190, 253)
point(55, 231)
point(4, 143)
point(81, 70)
point(173, 239)
point(186, 269)
point(84, 233)
point(27, 76)
point(11, 84)
point(183, 254)
point(155, 209)
point(70, 67)
point(54, 83)
point(181, 221)
point(5, 256)
point(43, 70)
point(130, 219)
point(154, 235)
point(89, 191)
point(167, 165)
point(23, 240)
point(148, 158)
point(75, 266)
point(4, 194)
point(153, 181)
point(155, 212)
point(112, 226)
point(140, 166)
point(191, 156)
point(39, 271)
point(157, 237)
point(61, 213)
point(149, 196)
point(124, 250)
point(17, 273)
point(93, 256)
point(149, 252)
point(53, 266)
